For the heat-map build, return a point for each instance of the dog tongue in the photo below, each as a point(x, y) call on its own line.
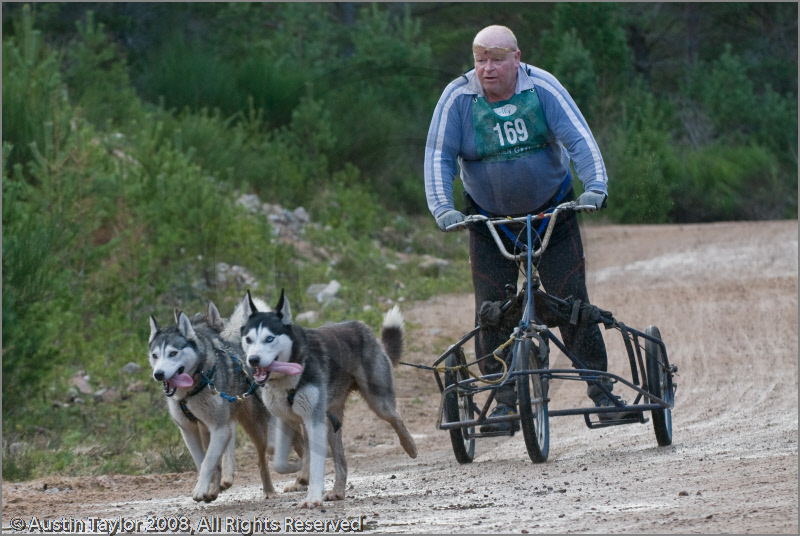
point(181, 380)
point(285, 368)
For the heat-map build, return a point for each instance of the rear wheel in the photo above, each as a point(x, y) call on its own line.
point(531, 394)
point(459, 408)
point(659, 384)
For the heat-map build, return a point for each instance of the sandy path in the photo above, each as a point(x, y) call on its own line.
point(725, 298)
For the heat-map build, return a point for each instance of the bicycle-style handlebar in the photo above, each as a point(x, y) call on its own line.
point(491, 223)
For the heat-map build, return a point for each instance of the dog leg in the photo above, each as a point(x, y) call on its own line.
point(300, 445)
point(204, 436)
point(228, 464)
point(383, 406)
point(315, 430)
point(271, 436)
point(254, 419)
point(192, 438)
point(207, 488)
point(339, 463)
point(284, 436)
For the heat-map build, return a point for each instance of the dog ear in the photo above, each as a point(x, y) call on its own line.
point(249, 307)
point(177, 313)
point(153, 328)
point(185, 327)
point(213, 317)
point(283, 310)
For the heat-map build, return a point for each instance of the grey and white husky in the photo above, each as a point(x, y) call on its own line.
point(307, 375)
point(190, 358)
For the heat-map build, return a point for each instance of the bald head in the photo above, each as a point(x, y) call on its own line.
point(495, 36)
point(496, 62)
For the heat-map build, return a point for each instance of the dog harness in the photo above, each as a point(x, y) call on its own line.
point(206, 379)
point(200, 386)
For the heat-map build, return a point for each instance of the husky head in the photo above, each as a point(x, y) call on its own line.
point(266, 336)
point(172, 352)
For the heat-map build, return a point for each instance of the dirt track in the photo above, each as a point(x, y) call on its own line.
point(725, 297)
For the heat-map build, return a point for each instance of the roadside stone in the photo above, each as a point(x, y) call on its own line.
point(251, 202)
point(315, 289)
point(17, 448)
point(329, 292)
point(233, 274)
point(81, 383)
point(332, 302)
point(309, 317)
point(301, 215)
point(132, 368)
point(135, 387)
point(107, 394)
point(432, 266)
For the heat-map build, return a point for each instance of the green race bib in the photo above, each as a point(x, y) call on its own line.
point(509, 129)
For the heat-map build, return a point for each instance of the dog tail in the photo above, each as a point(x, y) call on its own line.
point(392, 334)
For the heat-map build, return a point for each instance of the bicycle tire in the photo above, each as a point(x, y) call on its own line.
point(459, 408)
point(534, 416)
point(659, 384)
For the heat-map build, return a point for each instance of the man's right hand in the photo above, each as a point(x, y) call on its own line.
point(449, 218)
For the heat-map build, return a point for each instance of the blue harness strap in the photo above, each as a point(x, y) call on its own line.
point(562, 192)
point(204, 380)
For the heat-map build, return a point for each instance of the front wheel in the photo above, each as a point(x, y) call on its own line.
point(459, 408)
point(532, 398)
point(659, 384)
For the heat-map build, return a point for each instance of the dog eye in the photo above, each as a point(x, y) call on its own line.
point(270, 338)
point(173, 353)
point(248, 340)
point(154, 356)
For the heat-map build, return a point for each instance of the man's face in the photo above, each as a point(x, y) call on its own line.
point(496, 69)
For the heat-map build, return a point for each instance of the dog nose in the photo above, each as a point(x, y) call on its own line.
point(253, 360)
point(159, 375)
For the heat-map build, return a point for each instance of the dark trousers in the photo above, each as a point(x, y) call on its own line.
point(562, 273)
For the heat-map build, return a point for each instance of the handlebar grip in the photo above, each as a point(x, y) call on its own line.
point(456, 226)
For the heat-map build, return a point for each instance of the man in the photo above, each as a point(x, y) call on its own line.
point(513, 129)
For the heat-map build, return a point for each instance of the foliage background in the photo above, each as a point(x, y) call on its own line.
point(129, 129)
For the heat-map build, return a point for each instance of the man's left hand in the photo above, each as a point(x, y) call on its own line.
point(593, 198)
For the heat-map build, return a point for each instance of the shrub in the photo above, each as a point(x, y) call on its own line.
point(729, 182)
point(641, 162)
point(33, 93)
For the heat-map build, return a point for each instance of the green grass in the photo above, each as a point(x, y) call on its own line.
point(135, 434)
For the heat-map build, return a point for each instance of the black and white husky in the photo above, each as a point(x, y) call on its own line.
point(190, 359)
point(307, 375)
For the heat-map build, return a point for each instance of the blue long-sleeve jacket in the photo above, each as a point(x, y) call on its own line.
point(515, 186)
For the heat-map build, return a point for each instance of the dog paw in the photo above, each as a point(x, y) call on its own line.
point(297, 486)
point(286, 467)
point(225, 484)
point(333, 496)
point(310, 502)
point(203, 494)
point(267, 495)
